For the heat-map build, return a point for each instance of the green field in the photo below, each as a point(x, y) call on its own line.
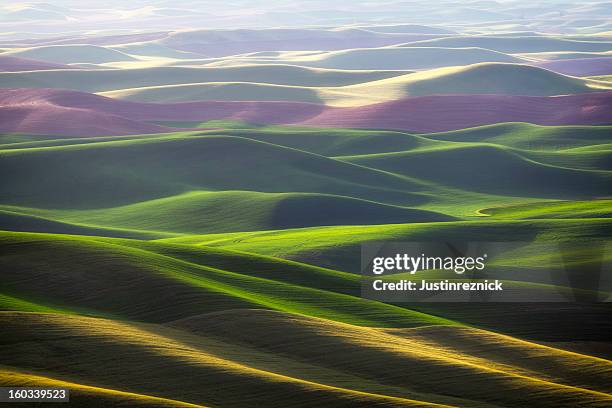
point(233, 270)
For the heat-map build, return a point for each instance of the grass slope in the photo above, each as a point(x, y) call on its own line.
point(211, 212)
point(135, 282)
point(518, 44)
point(153, 360)
point(131, 180)
point(551, 210)
point(497, 170)
point(483, 78)
point(108, 80)
point(384, 58)
point(124, 171)
point(338, 247)
point(530, 137)
point(365, 366)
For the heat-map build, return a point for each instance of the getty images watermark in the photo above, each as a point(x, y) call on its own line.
point(448, 271)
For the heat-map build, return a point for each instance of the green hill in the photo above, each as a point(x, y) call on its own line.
point(127, 171)
point(200, 212)
point(334, 142)
point(493, 169)
point(112, 278)
point(530, 137)
point(338, 247)
point(553, 210)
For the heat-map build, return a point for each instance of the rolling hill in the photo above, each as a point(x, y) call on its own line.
point(125, 171)
point(383, 58)
point(515, 44)
point(191, 191)
point(339, 247)
point(219, 91)
point(491, 169)
point(439, 113)
point(70, 54)
point(142, 283)
point(219, 43)
point(485, 78)
point(287, 368)
point(418, 114)
point(116, 79)
point(580, 67)
point(530, 137)
point(210, 363)
point(53, 119)
point(17, 64)
point(230, 211)
point(548, 210)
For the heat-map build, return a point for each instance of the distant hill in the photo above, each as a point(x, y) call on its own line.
point(383, 58)
point(518, 44)
point(16, 64)
point(67, 54)
point(98, 80)
point(24, 110)
point(485, 78)
point(579, 67)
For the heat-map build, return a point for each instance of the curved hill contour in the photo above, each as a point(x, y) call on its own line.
point(384, 58)
point(70, 54)
point(515, 44)
point(210, 212)
point(100, 80)
point(483, 78)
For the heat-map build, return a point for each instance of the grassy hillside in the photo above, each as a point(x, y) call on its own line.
point(114, 279)
point(332, 142)
point(338, 247)
point(484, 78)
point(380, 169)
point(216, 374)
point(286, 369)
point(516, 44)
point(164, 281)
point(108, 80)
point(69, 54)
point(125, 171)
point(219, 91)
point(384, 58)
point(210, 212)
point(531, 137)
point(493, 169)
point(560, 209)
